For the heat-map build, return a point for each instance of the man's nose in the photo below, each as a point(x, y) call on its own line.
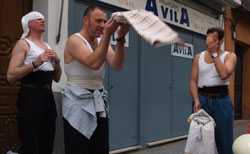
point(102, 24)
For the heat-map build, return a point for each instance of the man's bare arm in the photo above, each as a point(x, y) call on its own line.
point(193, 83)
point(79, 50)
point(226, 69)
point(116, 59)
point(16, 71)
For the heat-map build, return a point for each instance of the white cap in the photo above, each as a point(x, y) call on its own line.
point(27, 18)
point(241, 144)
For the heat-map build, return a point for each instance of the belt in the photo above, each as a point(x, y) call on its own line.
point(209, 95)
point(37, 86)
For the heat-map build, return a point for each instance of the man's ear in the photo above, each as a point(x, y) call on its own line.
point(221, 41)
point(85, 19)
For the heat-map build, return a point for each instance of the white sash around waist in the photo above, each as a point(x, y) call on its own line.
point(87, 83)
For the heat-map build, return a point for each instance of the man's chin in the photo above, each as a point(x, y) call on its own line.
point(98, 35)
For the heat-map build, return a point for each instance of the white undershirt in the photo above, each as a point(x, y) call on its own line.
point(208, 75)
point(82, 76)
point(34, 53)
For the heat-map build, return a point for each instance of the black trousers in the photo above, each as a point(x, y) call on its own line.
point(36, 121)
point(76, 143)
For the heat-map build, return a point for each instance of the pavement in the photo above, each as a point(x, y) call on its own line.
point(177, 147)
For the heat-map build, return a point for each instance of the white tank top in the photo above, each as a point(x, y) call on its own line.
point(83, 76)
point(208, 75)
point(33, 54)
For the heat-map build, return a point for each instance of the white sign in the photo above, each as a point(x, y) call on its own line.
point(187, 51)
point(171, 12)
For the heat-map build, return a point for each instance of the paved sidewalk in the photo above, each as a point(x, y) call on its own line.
point(177, 147)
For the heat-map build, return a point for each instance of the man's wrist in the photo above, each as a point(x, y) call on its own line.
point(57, 61)
point(34, 65)
point(215, 55)
point(121, 39)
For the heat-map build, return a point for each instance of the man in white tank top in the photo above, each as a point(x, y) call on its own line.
point(210, 76)
point(36, 64)
point(85, 106)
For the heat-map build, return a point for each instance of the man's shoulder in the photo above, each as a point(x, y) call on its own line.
point(72, 36)
point(198, 55)
point(230, 54)
point(22, 43)
point(75, 44)
point(74, 40)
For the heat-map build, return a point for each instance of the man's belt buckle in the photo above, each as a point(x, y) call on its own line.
point(210, 95)
point(46, 87)
point(216, 95)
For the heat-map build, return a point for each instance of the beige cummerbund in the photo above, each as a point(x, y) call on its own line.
point(87, 83)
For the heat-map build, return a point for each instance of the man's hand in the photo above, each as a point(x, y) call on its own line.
point(110, 27)
point(124, 28)
point(52, 54)
point(197, 106)
point(212, 44)
point(42, 58)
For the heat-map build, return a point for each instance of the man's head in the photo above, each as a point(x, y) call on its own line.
point(219, 31)
point(215, 35)
point(27, 19)
point(91, 9)
point(94, 20)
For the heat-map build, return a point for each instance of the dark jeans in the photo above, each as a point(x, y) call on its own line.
point(36, 121)
point(221, 109)
point(76, 143)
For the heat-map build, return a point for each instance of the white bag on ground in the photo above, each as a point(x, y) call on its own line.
point(201, 136)
point(10, 152)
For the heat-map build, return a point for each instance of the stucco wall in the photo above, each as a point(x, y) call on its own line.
point(246, 84)
point(229, 44)
point(243, 38)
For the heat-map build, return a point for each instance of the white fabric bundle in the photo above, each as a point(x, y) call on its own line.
point(10, 152)
point(27, 18)
point(201, 136)
point(149, 26)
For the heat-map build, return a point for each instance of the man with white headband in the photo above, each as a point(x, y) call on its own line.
point(35, 64)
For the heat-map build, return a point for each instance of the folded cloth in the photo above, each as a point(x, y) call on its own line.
point(201, 136)
point(10, 152)
point(149, 26)
point(27, 18)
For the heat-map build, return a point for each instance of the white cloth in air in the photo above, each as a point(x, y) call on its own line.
point(149, 26)
point(27, 18)
point(201, 136)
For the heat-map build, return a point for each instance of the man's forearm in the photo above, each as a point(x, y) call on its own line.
point(15, 74)
point(58, 72)
point(119, 54)
point(100, 53)
point(221, 69)
point(194, 92)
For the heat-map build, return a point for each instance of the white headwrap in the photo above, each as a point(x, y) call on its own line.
point(27, 18)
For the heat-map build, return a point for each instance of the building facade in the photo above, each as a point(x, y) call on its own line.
point(237, 39)
point(149, 99)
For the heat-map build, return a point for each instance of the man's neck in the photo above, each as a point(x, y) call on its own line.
point(87, 36)
point(35, 37)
